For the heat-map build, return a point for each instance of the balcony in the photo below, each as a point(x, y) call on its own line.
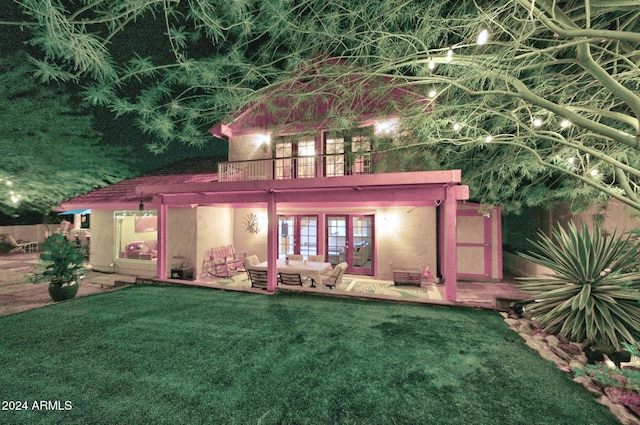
point(295, 167)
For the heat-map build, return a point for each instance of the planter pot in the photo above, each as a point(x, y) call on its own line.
point(63, 291)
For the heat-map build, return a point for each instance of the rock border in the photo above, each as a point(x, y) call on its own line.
point(623, 403)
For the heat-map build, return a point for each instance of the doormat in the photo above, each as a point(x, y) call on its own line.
point(430, 292)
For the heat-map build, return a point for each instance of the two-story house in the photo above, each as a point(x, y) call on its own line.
point(292, 184)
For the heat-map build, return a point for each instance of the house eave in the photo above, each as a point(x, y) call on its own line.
point(353, 182)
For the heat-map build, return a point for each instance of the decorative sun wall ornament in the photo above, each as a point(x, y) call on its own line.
point(251, 223)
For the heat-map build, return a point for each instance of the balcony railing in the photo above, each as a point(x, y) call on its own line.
point(297, 167)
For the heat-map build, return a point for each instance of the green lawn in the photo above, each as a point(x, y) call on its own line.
point(156, 355)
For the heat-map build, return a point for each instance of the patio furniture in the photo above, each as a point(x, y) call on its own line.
point(335, 278)
point(222, 263)
point(316, 258)
point(295, 257)
point(141, 250)
point(233, 255)
point(287, 278)
point(311, 269)
point(361, 253)
point(250, 262)
point(258, 278)
point(407, 277)
point(20, 246)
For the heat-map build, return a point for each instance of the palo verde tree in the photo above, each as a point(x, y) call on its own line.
point(536, 100)
point(49, 149)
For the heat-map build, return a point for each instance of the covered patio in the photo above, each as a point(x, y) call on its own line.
point(438, 189)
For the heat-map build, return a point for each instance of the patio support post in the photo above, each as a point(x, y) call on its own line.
point(449, 242)
point(162, 241)
point(272, 243)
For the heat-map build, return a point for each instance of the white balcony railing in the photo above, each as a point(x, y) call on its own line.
point(298, 167)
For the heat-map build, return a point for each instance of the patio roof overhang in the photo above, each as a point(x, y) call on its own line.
point(433, 188)
point(415, 188)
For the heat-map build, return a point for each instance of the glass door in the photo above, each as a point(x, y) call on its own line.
point(298, 234)
point(350, 239)
point(362, 244)
point(336, 239)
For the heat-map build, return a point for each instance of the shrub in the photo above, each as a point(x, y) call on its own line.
point(593, 294)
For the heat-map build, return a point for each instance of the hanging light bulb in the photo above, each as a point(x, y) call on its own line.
point(483, 37)
point(449, 55)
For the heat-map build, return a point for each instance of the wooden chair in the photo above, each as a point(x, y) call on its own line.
point(295, 257)
point(335, 278)
point(317, 258)
point(290, 278)
point(258, 278)
point(208, 262)
point(234, 257)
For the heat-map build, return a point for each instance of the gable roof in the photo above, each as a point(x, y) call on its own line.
point(124, 195)
point(315, 97)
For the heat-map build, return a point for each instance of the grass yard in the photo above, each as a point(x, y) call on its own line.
point(170, 355)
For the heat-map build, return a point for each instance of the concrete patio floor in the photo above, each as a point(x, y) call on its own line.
point(17, 294)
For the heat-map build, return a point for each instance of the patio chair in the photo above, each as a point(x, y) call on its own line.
point(249, 262)
point(20, 246)
point(295, 257)
point(335, 278)
point(317, 258)
point(290, 278)
point(258, 278)
point(361, 253)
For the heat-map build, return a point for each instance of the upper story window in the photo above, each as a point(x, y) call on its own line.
point(295, 157)
point(348, 152)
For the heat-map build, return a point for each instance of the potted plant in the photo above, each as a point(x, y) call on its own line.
point(62, 266)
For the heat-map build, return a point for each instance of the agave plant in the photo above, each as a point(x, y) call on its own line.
point(593, 294)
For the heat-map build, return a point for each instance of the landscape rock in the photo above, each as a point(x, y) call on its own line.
point(569, 357)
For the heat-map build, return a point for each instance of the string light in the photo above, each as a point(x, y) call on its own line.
point(432, 93)
point(594, 172)
point(565, 123)
point(13, 196)
point(456, 126)
point(449, 55)
point(432, 65)
point(488, 139)
point(483, 37)
point(537, 122)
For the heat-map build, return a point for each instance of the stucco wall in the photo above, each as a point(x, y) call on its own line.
point(214, 228)
point(245, 241)
point(405, 236)
point(253, 146)
point(406, 239)
point(101, 254)
point(181, 237)
point(615, 217)
point(31, 233)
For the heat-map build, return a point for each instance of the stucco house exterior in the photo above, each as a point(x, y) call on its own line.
point(293, 185)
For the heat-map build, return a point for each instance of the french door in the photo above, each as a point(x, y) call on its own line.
point(297, 234)
point(350, 239)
